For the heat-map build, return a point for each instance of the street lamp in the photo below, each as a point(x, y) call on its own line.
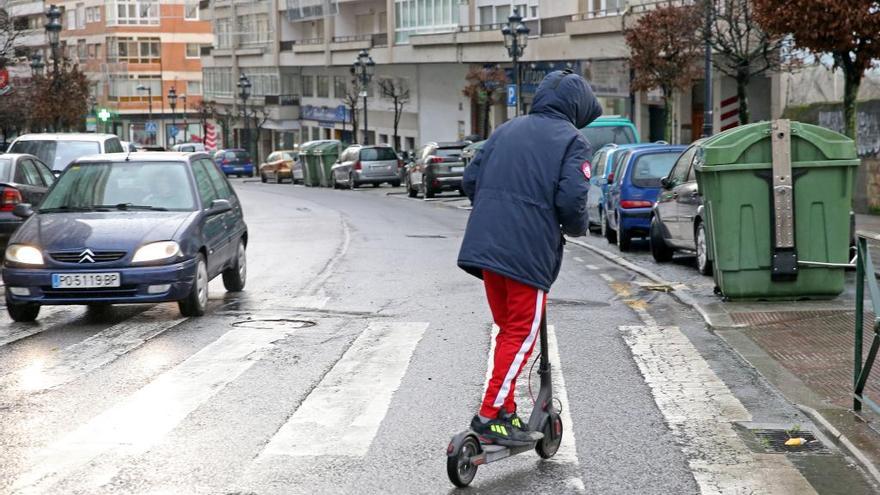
point(516, 37)
point(364, 68)
point(93, 103)
point(37, 64)
point(149, 90)
point(172, 102)
point(708, 117)
point(244, 92)
point(183, 97)
point(53, 30)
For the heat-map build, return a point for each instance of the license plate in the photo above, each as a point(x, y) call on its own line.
point(457, 169)
point(84, 280)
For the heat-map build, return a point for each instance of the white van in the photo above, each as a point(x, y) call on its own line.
point(188, 147)
point(61, 149)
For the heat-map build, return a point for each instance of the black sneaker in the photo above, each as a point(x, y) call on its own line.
point(499, 431)
point(513, 419)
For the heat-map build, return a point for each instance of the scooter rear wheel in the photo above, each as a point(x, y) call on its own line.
point(459, 467)
point(547, 446)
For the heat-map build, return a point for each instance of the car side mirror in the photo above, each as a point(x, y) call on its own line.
point(220, 206)
point(23, 210)
point(666, 183)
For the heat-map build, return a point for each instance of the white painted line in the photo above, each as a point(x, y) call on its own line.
point(578, 259)
point(592, 267)
point(341, 416)
point(606, 277)
point(49, 317)
point(140, 421)
point(700, 411)
point(309, 302)
point(90, 354)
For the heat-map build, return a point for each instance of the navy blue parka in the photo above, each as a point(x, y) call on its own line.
point(528, 186)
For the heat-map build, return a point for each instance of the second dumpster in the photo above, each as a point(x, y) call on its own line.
point(310, 161)
point(777, 199)
point(327, 153)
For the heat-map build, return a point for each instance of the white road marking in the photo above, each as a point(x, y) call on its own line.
point(308, 302)
point(49, 317)
point(342, 414)
point(90, 354)
point(567, 453)
point(140, 421)
point(700, 411)
point(592, 267)
point(578, 259)
point(606, 277)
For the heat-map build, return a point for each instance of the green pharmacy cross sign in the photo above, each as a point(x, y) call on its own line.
point(104, 115)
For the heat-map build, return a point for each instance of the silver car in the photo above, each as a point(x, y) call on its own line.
point(360, 164)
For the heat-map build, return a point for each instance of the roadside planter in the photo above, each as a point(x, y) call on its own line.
point(778, 197)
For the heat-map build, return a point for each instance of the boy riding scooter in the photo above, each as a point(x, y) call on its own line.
point(528, 186)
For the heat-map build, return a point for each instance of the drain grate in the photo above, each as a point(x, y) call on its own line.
point(273, 323)
point(773, 441)
point(426, 236)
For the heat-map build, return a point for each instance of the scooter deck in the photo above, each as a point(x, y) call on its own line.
point(492, 453)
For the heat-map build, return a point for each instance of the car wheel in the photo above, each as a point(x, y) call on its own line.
point(333, 183)
point(23, 313)
point(412, 193)
point(624, 241)
point(659, 249)
point(609, 234)
point(196, 301)
point(235, 276)
point(351, 182)
point(263, 178)
point(395, 183)
point(704, 264)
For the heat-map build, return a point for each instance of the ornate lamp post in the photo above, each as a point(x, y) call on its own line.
point(185, 125)
point(37, 64)
point(516, 37)
point(244, 92)
point(53, 30)
point(364, 68)
point(708, 117)
point(172, 102)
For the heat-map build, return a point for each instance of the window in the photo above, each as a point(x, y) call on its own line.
point(424, 16)
point(218, 82)
point(27, 174)
point(410, 143)
point(203, 184)
point(80, 16)
point(190, 10)
point(194, 87)
point(534, 13)
point(143, 12)
point(71, 19)
point(486, 15)
point(522, 9)
point(223, 33)
point(193, 50)
point(682, 166)
point(598, 164)
point(264, 80)
point(45, 173)
point(93, 50)
point(308, 86)
point(323, 87)
point(502, 12)
point(81, 49)
point(340, 87)
point(123, 87)
point(253, 29)
point(649, 169)
point(133, 50)
point(217, 178)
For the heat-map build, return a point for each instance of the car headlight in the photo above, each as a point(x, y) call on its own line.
point(25, 255)
point(156, 251)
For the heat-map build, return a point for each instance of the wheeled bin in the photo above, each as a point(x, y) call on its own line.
point(310, 160)
point(777, 199)
point(327, 153)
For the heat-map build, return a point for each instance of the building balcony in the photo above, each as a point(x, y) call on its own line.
point(595, 22)
point(283, 107)
point(308, 45)
point(356, 42)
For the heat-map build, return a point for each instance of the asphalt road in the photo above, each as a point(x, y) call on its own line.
point(357, 350)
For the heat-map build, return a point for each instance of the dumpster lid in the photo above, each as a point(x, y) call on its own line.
point(327, 146)
point(748, 146)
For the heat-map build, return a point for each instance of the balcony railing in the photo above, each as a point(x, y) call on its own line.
point(355, 37)
point(380, 39)
point(533, 25)
point(282, 100)
point(553, 25)
point(310, 41)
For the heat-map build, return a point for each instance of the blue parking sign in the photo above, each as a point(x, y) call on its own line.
point(511, 95)
point(151, 127)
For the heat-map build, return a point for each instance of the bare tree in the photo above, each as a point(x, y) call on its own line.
point(351, 100)
point(398, 92)
point(8, 33)
point(483, 85)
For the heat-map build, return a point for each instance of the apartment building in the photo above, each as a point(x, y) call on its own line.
point(29, 19)
point(298, 53)
point(135, 52)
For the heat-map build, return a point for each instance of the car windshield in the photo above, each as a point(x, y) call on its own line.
point(601, 135)
point(649, 169)
point(242, 156)
point(286, 156)
point(122, 186)
point(57, 154)
point(376, 154)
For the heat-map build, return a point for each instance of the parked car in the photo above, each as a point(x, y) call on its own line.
point(358, 165)
point(23, 179)
point(59, 150)
point(278, 166)
point(610, 129)
point(119, 228)
point(150, 147)
point(128, 146)
point(188, 147)
point(631, 195)
point(678, 223)
point(470, 151)
point(297, 171)
point(235, 161)
point(437, 167)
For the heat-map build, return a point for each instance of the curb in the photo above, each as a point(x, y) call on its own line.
point(842, 441)
point(686, 299)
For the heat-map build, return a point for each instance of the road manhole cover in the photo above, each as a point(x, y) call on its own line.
point(273, 323)
point(773, 441)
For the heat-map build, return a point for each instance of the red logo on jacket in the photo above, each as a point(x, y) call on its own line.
point(585, 167)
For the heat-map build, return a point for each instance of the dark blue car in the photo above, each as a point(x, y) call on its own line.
point(603, 163)
point(634, 189)
point(117, 228)
point(236, 161)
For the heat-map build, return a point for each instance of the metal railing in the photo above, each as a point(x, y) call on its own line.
point(380, 39)
point(862, 365)
point(310, 41)
point(354, 37)
point(282, 100)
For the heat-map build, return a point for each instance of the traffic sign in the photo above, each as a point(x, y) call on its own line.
point(511, 95)
point(173, 130)
point(151, 127)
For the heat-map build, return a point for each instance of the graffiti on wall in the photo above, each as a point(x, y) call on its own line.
point(867, 129)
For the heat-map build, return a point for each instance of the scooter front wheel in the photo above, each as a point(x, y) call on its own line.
point(459, 467)
point(547, 446)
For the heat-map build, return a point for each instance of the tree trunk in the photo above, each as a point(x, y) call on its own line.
point(397, 111)
point(667, 108)
point(486, 113)
point(852, 80)
point(742, 83)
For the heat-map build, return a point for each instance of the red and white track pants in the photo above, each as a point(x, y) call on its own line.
point(517, 309)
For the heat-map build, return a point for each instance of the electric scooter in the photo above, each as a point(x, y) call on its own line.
point(465, 452)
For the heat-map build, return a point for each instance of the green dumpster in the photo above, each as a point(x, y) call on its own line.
point(311, 169)
point(327, 153)
point(777, 198)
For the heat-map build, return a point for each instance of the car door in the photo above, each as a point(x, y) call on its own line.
point(29, 182)
point(234, 219)
point(213, 225)
point(667, 206)
point(682, 192)
point(612, 194)
point(689, 201)
point(45, 173)
point(595, 193)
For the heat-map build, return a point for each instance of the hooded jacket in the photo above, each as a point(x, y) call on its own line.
point(529, 184)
